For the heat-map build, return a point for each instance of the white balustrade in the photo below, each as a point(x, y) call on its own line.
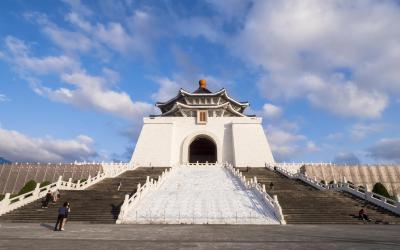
point(141, 191)
point(361, 192)
point(111, 170)
point(273, 203)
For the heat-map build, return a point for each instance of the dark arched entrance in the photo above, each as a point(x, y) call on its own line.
point(202, 150)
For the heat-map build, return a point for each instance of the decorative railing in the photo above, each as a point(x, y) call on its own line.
point(202, 164)
point(111, 170)
point(361, 192)
point(130, 202)
point(114, 169)
point(272, 203)
point(303, 177)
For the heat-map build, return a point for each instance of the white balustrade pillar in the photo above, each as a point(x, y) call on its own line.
point(36, 191)
point(89, 180)
point(69, 182)
point(4, 203)
point(147, 179)
point(59, 182)
point(263, 188)
point(255, 179)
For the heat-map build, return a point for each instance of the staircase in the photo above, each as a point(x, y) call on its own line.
point(303, 204)
point(99, 203)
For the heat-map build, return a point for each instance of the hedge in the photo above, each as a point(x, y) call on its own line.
point(379, 188)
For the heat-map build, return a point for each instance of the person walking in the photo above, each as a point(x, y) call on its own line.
point(47, 199)
point(271, 186)
point(119, 186)
point(62, 217)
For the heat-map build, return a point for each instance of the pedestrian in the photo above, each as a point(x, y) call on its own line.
point(271, 186)
point(62, 217)
point(47, 199)
point(119, 186)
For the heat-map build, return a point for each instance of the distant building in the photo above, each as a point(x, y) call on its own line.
point(202, 127)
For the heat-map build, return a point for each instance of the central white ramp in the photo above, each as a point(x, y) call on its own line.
point(200, 195)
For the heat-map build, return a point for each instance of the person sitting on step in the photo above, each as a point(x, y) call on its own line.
point(362, 215)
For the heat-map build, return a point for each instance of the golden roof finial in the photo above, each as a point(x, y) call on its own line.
point(203, 83)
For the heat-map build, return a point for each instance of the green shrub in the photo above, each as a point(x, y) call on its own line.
point(1, 196)
point(323, 182)
point(45, 183)
point(29, 186)
point(331, 182)
point(379, 188)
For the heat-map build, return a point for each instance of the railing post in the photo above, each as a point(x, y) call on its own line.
point(89, 180)
point(36, 191)
point(147, 179)
point(4, 203)
point(59, 182)
point(263, 188)
point(69, 182)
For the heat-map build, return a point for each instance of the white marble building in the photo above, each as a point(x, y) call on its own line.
point(202, 127)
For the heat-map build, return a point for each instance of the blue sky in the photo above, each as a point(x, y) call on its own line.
point(76, 77)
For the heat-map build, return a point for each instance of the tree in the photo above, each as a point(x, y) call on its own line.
point(29, 186)
point(379, 188)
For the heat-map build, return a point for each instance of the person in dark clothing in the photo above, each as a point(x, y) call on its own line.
point(47, 199)
point(119, 186)
point(362, 215)
point(271, 186)
point(62, 217)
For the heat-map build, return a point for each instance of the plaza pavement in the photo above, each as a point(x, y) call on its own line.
point(95, 236)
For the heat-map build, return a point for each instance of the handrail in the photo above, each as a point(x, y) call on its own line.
point(361, 192)
point(308, 180)
point(273, 203)
point(141, 191)
point(8, 204)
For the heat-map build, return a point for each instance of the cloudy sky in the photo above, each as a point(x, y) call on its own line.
point(76, 77)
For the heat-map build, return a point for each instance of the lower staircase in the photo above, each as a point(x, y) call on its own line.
point(303, 204)
point(99, 203)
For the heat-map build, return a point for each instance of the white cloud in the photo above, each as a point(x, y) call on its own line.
point(168, 89)
point(85, 90)
point(19, 55)
point(386, 149)
point(284, 143)
point(339, 55)
point(4, 98)
point(361, 130)
point(91, 91)
point(271, 111)
point(79, 7)
point(19, 147)
point(346, 158)
point(335, 136)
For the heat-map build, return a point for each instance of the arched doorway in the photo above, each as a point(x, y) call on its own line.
point(202, 150)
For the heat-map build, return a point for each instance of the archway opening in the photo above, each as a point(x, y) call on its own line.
point(202, 150)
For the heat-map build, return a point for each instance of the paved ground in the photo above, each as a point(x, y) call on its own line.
point(86, 236)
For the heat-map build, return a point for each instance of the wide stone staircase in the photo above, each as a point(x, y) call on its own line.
point(303, 204)
point(99, 203)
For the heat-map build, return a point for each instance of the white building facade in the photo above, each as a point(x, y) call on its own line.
point(202, 127)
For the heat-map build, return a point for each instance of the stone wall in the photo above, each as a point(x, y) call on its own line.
point(14, 176)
